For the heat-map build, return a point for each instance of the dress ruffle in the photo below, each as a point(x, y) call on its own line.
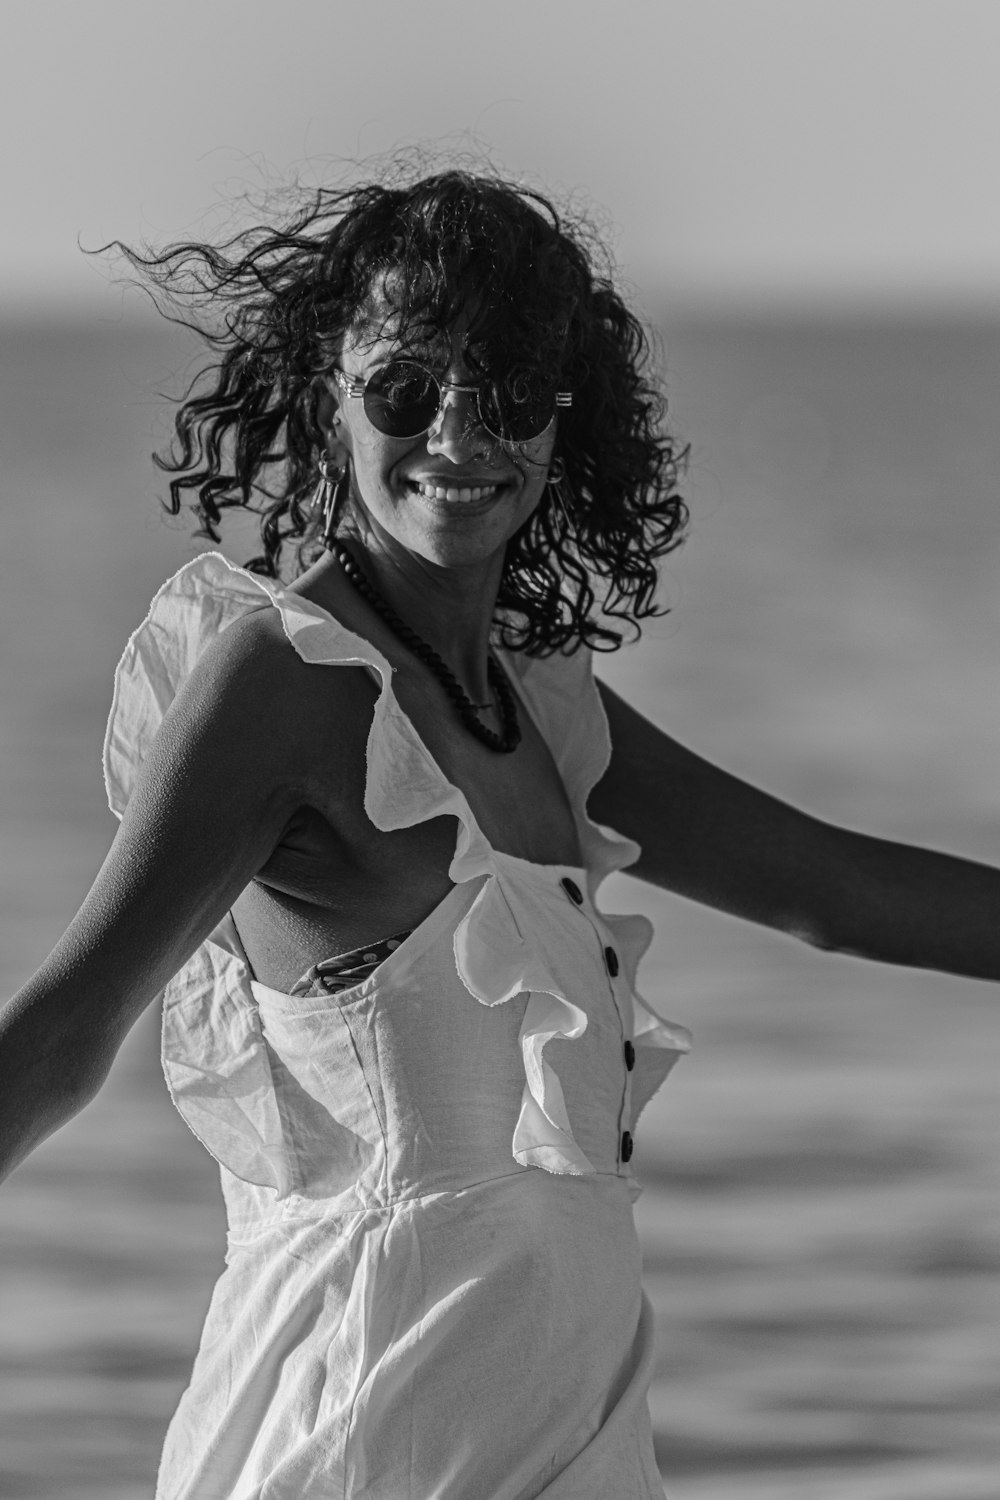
point(499, 954)
point(216, 1057)
point(219, 1070)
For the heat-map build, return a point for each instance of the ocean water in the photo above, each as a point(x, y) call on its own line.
point(821, 1216)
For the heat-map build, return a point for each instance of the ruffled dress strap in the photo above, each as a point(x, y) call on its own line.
point(561, 694)
point(404, 785)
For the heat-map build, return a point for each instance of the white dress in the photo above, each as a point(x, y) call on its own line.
point(432, 1286)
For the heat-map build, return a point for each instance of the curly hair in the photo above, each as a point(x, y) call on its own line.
point(274, 303)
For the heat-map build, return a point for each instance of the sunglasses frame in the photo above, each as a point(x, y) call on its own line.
point(354, 386)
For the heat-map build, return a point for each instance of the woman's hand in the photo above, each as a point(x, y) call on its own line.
point(715, 839)
point(211, 801)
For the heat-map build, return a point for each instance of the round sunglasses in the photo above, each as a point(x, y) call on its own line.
point(402, 399)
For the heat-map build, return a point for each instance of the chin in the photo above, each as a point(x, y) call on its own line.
point(459, 551)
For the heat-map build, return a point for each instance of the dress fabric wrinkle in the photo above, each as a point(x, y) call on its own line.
point(432, 1287)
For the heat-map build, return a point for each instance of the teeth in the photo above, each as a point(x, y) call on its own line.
point(457, 496)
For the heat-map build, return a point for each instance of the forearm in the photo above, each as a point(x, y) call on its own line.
point(51, 1064)
point(900, 904)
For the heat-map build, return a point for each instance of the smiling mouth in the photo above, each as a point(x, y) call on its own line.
point(454, 494)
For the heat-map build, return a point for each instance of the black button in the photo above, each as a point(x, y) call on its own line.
point(626, 1146)
point(572, 890)
point(611, 959)
point(629, 1056)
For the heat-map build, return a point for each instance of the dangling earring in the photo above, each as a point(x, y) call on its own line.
point(330, 495)
point(557, 473)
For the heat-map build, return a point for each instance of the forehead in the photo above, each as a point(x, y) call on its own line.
point(381, 332)
point(439, 324)
point(389, 320)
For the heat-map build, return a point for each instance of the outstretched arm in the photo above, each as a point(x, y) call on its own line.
point(211, 802)
point(709, 836)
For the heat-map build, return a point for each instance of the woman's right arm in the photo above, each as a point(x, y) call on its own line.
point(210, 803)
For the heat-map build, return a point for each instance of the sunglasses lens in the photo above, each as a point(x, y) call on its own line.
point(402, 399)
point(518, 410)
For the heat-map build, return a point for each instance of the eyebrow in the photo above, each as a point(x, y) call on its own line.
point(425, 357)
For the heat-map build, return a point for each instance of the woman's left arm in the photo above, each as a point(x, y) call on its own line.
point(711, 837)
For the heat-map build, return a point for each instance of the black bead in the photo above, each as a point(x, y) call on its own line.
point(506, 701)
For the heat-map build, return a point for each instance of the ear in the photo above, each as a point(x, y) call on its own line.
point(332, 430)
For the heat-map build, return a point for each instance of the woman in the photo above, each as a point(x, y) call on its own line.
point(393, 1011)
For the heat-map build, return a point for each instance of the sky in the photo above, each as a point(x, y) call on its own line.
point(735, 152)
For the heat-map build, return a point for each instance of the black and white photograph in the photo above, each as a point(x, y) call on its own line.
point(500, 750)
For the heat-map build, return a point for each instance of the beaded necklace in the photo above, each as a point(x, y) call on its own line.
point(503, 743)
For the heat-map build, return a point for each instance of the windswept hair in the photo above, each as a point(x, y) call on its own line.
point(274, 303)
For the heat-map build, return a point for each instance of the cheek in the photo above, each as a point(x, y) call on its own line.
point(371, 455)
point(534, 484)
point(538, 455)
point(534, 461)
point(532, 496)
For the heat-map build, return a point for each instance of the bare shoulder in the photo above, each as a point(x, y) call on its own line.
point(251, 653)
point(251, 687)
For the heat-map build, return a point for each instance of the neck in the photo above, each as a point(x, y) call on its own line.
point(450, 608)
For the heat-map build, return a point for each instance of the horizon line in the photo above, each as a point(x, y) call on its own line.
point(701, 301)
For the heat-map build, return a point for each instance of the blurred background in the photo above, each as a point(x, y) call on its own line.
point(802, 198)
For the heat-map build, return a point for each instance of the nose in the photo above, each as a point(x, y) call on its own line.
point(457, 433)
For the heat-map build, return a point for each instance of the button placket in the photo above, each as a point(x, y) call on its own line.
point(613, 969)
